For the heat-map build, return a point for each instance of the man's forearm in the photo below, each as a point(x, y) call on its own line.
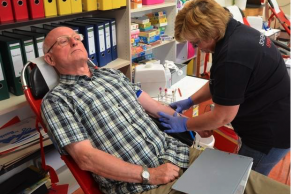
point(152, 106)
point(111, 167)
point(103, 164)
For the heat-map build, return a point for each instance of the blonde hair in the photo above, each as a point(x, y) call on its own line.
point(202, 19)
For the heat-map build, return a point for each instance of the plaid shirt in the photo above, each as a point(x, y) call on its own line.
point(104, 109)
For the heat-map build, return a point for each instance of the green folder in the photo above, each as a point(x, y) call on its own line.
point(27, 48)
point(27, 45)
point(38, 39)
point(12, 63)
point(4, 93)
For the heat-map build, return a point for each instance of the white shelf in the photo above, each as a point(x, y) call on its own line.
point(117, 64)
point(155, 6)
point(162, 44)
point(12, 103)
point(180, 61)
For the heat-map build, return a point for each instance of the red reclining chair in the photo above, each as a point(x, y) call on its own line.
point(278, 13)
point(34, 92)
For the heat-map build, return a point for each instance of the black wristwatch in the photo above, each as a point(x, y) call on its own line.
point(145, 175)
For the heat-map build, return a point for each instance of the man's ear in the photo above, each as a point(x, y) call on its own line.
point(48, 58)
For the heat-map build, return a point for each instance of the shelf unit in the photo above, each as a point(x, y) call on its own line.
point(167, 49)
point(123, 63)
point(17, 105)
point(155, 6)
point(11, 104)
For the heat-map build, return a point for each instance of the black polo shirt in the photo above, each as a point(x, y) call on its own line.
point(248, 70)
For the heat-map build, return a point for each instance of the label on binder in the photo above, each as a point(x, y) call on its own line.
point(16, 58)
point(114, 34)
point(101, 39)
point(39, 46)
point(107, 32)
point(1, 73)
point(91, 41)
point(29, 49)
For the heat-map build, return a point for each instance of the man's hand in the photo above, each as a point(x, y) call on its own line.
point(175, 123)
point(163, 174)
point(181, 105)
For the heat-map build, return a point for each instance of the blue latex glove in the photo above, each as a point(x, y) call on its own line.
point(175, 123)
point(181, 105)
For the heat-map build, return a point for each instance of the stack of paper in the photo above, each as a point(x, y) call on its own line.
point(20, 140)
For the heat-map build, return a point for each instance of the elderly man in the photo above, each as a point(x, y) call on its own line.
point(101, 119)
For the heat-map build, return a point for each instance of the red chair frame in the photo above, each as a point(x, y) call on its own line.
point(84, 178)
point(280, 16)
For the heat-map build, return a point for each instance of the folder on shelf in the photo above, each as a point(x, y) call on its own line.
point(38, 39)
point(50, 8)
point(6, 11)
point(48, 27)
point(89, 5)
point(64, 7)
point(89, 39)
point(112, 30)
point(116, 4)
point(108, 39)
point(103, 46)
point(4, 94)
point(40, 30)
point(122, 3)
point(20, 11)
point(75, 28)
point(76, 6)
point(13, 60)
point(27, 45)
point(105, 4)
point(35, 9)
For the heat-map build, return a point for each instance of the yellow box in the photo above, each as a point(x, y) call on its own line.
point(64, 7)
point(122, 3)
point(145, 25)
point(105, 4)
point(190, 68)
point(135, 5)
point(149, 33)
point(76, 6)
point(89, 5)
point(116, 4)
point(50, 8)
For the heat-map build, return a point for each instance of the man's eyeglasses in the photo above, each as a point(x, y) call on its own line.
point(195, 44)
point(64, 40)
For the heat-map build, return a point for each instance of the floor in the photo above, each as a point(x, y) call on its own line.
point(281, 172)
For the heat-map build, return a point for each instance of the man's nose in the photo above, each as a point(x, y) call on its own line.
point(73, 42)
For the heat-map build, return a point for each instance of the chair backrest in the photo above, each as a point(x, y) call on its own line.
point(42, 78)
point(238, 14)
